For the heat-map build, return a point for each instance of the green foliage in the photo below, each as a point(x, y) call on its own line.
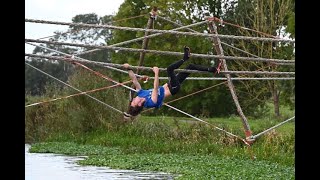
point(291, 24)
point(35, 81)
point(77, 114)
point(291, 20)
point(184, 136)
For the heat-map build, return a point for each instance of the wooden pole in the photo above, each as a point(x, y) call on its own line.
point(217, 45)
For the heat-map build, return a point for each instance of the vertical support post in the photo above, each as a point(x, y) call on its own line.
point(152, 17)
point(217, 45)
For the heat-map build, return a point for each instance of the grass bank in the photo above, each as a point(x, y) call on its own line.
point(183, 147)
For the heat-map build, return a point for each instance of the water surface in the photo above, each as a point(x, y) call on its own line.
point(47, 166)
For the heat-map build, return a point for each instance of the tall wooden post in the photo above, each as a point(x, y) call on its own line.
point(152, 17)
point(217, 45)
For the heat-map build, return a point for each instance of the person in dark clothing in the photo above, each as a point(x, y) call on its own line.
point(155, 96)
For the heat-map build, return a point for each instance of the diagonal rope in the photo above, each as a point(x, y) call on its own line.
point(216, 127)
point(160, 52)
point(241, 27)
point(177, 24)
point(73, 87)
point(267, 130)
point(107, 23)
point(222, 42)
point(159, 31)
point(139, 39)
point(73, 95)
point(68, 59)
point(161, 69)
point(124, 19)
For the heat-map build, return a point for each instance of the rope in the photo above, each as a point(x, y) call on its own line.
point(73, 95)
point(74, 88)
point(267, 130)
point(160, 52)
point(108, 23)
point(124, 19)
point(235, 78)
point(223, 42)
point(99, 74)
point(159, 31)
point(212, 78)
point(241, 27)
point(161, 69)
point(220, 129)
point(141, 38)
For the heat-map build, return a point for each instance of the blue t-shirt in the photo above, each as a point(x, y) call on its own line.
point(147, 95)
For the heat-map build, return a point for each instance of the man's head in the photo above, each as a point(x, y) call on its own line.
point(136, 106)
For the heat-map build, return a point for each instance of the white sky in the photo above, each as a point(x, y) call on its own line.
point(64, 11)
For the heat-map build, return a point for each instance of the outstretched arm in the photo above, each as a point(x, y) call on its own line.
point(133, 77)
point(154, 94)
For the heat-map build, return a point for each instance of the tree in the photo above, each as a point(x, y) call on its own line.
point(35, 82)
point(268, 16)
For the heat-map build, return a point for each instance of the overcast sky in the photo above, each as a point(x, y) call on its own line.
point(64, 11)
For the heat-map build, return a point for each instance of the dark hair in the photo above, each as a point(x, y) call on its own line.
point(135, 110)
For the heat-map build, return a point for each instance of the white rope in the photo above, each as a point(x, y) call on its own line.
point(200, 120)
point(160, 69)
point(159, 31)
point(82, 59)
point(210, 78)
point(74, 88)
point(163, 52)
point(138, 39)
point(267, 130)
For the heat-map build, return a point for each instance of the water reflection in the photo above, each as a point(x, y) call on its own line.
point(46, 166)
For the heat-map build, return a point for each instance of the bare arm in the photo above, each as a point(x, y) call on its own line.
point(133, 77)
point(154, 94)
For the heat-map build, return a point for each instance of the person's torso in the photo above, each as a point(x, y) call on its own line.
point(147, 95)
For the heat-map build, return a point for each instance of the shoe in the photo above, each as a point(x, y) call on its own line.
point(186, 53)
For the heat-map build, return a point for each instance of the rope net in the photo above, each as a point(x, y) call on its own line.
point(77, 60)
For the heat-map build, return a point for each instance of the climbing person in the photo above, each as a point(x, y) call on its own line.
point(155, 96)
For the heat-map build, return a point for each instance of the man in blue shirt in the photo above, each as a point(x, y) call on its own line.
point(154, 97)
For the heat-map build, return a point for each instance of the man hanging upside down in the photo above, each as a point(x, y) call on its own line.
point(154, 97)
